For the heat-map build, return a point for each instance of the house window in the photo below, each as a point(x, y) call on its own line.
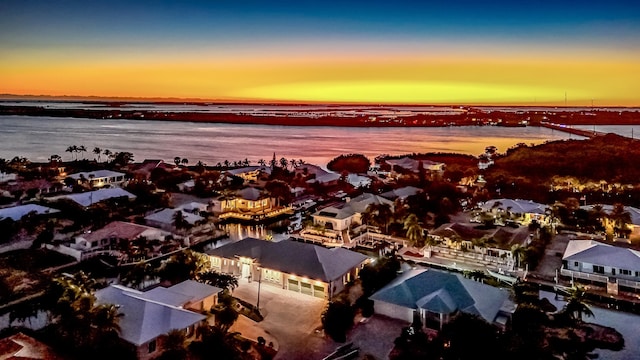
point(625, 272)
point(575, 263)
point(613, 271)
point(152, 346)
point(215, 261)
point(94, 243)
point(637, 273)
point(598, 269)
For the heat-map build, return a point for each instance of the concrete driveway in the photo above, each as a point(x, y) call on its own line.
point(290, 321)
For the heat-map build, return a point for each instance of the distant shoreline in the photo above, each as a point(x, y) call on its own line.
point(469, 117)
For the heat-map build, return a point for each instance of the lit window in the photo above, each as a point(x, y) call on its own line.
point(233, 262)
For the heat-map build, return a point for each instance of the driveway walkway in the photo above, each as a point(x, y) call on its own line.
point(290, 321)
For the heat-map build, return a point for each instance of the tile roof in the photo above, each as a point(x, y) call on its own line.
point(293, 257)
point(120, 230)
point(91, 197)
point(597, 253)
point(145, 319)
point(443, 292)
point(17, 212)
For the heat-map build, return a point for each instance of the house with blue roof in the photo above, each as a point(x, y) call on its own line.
point(435, 296)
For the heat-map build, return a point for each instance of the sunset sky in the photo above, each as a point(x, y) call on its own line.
point(449, 52)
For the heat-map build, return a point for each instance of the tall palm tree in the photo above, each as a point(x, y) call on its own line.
point(620, 218)
point(262, 162)
point(293, 163)
point(108, 153)
point(413, 230)
point(284, 163)
point(97, 151)
point(71, 149)
point(519, 253)
point(82, 149)
point(176, 160)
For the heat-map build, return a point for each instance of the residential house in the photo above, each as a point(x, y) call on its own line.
point(252, 204)
point(339, 217)
point(147, 319)
point(90, 198)
point(435, 296)
point(408, 165)
point(106, 240)
point(164, 218)
point(17, 212)
point(616, 267)
point(99, 178)
point(634, 215)
point(521, 211)
point(114, 232)
point(401, 193)
point(290, 265)
point(250, 173)
point(189, 295)
point(488, 246)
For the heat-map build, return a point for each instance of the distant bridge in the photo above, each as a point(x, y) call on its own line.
point(581, 132)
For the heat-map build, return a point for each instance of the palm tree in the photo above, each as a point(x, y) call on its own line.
point(174, 346)
point(107, 153)
point(71, 149)
point(184, 161)
point(284, 163)
point(224, 281)
point(179, 220)
point(519, 253)
point(262, 162)
point(176, 160)
point(293, 163)
point(246, 162)
point(576, 306)
point(97, 151)
point(82, 149)
point(413, 230)
point(620, 218)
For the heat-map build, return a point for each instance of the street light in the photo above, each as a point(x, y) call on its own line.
point(259, 282)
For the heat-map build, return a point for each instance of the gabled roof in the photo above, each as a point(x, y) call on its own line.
point(250, 193)
point(516, 206)
point(360, 203)
point(145, 319)
point(341, 211)
point(165, 216)
point(597, 253)
point(91, 197)
point(17, 212)
point(120, 230)
point(401, 193)
point(181, 293)
point(324, 178)
point(293, 257)
point(443, 293)
point(96, 174)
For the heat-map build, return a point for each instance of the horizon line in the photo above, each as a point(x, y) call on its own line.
point(198, 100)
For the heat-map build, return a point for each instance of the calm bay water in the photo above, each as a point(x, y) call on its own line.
point(37, 138)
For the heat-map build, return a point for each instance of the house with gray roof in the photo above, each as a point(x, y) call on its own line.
point(99, 178)
point(252, 204)
point(290, 265)
point(339, 217)
point(17, 212)
point(163, 218)
point(616, 267)
point(146, 319)
point(86, 199)
point(524, 211)
point(435, 296)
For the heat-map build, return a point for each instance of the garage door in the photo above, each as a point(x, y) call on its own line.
point(318, 291)
point(294, 285)
point(305, 288)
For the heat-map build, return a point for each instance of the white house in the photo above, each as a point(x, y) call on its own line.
point(17, 212)
point(99, 178)
point(149, 316)
point(89, 198)
point(616, 267)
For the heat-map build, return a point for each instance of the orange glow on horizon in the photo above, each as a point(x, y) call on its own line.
point(398, 78)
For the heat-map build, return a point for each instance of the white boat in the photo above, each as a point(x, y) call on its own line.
point(503, 276)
